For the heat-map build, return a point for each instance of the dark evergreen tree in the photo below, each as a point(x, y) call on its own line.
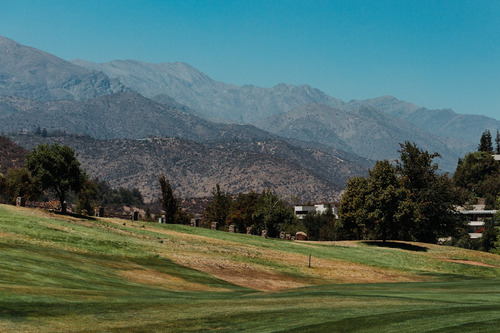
point(497, 141)
point(169, 203)
point(272, 214)
point(485, 144)
point(479, 174)
point(218, 208)
point(321, 226)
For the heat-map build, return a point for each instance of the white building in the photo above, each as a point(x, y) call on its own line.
point(302, 211)
point(477, 220)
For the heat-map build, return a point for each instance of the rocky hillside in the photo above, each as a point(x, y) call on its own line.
point(120, 115)
point(11, 155)
point(365, 131)
point(32, 73)
point(194, 169)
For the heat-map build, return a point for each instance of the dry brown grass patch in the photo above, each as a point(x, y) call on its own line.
point(158, 279)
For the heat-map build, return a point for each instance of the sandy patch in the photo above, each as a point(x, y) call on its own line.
point(154, 278)
point(249, 277)
point(468, 262)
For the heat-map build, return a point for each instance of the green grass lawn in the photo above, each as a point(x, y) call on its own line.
point(65, 274)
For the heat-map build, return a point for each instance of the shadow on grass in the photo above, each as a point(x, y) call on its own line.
point(397, 245)
point(75, 215)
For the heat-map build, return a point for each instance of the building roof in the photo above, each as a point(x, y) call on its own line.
point(478, 212)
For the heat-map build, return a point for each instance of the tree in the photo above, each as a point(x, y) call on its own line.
point(479, 174)
point(497, 141)
point(485, 144)
point(87, 196)
point(242, 211)
point(56, 168)
point(272, 214)
point(352, 210)
point(435, 195)
point(388, 204)
point(321, 226)
point(218, 208)
point(169, 203)
point(378, 207)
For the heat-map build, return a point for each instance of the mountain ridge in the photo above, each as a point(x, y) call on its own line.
point(32, 73)
point(195, 168)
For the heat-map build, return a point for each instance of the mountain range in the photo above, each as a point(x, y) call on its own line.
point(131, 120)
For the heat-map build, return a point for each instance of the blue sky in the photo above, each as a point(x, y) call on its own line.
point(436, 54)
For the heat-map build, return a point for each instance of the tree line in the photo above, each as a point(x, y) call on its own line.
point(405, 199)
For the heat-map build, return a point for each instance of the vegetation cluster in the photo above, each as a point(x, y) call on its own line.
point(410, 200)
point(406, 199)
point(53, 171)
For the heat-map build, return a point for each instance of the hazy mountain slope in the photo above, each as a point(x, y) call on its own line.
point(249, 104)
point(213, 99)
point(120, 115)
point(193, 169)
point(444, 123)
point(31, 73)
point(447, 123)
point(387, 104)
point(365, 131)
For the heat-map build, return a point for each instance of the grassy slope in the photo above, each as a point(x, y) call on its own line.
point(68, 274)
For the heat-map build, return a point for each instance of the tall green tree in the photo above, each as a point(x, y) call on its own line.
point(218, 208)
point(435, 194)
point(485, 143)
point(56, 168)
point(390, 210)
point(168, 201)
point(272, 214)
point(353, 215)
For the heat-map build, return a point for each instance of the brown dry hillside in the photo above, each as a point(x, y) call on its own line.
point(11, 154)
point(195, 168)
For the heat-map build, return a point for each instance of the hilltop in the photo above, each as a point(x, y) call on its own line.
point(63, 273)
point(32, 73)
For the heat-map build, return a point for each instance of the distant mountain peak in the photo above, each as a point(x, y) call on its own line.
point(32, 73)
